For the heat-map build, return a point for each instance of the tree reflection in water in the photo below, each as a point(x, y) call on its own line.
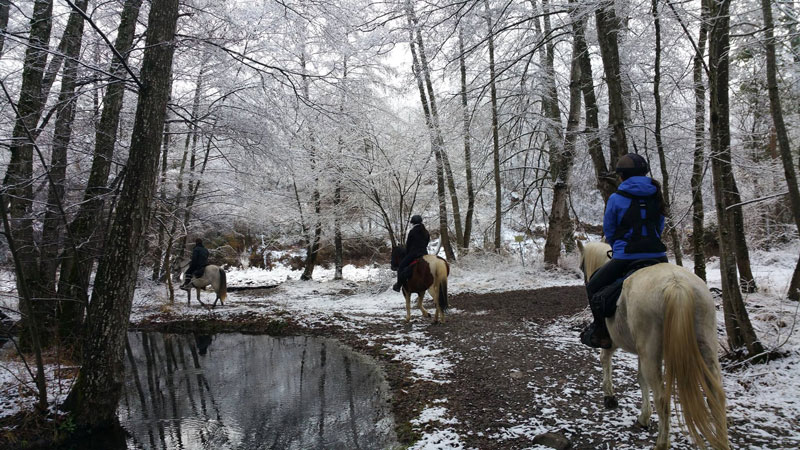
point(246, 392)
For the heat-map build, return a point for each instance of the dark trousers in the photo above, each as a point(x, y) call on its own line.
point(607, 274)
point(402, 276)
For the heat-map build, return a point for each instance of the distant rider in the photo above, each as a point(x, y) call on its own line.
point(416, 247)
point(632, 225)
point(198, 263)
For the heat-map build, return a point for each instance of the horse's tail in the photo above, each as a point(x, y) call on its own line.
point(223, 285)
point(443, 294)
point(693, 381)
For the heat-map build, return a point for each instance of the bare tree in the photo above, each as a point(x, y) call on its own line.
point(54, 221)
point(780, 130)
point(608, 26)
point(671, 225)
point(94, 397)
point(559, 213)
point(698, 167)
point(86, 227)
point(5, 6)
point(422, 76)
point(606, 180)
point(18, 180)
point(498, 195)
point(467, 147)
point(737, 322)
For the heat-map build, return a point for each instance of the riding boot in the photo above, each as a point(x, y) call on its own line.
point(596, 335)
point(401, 280)
point(186, 283)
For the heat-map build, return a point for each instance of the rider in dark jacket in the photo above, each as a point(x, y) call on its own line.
point(198, 263)
point(416, 246)
point(631, 238)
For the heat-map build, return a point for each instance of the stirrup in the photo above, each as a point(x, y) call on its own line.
point(589, 337)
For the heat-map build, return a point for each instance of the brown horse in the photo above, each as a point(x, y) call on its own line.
point(427, 273)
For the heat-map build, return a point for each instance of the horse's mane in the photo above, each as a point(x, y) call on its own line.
point(595, 254)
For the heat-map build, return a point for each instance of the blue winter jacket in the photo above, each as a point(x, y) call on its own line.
point(617, 207)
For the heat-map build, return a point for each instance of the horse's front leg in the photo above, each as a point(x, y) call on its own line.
point(198, 297)
point(407, 295)
point(425, 312)
point(609, 399)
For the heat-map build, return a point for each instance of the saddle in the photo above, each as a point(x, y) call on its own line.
point(605, 300)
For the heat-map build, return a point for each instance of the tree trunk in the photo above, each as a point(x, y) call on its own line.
point(87, 227)
point(442, 160)
point(554, 129)
point(606, 180)
point(53, 226)
point(18, 180)
point(608, 26)
point(26, 308)
point(559, 213)
point(698, 228)
point(5, 6)
point(782, 136)
point(94, 398)
point(671, 225)
point(161, 211)
point(498, 197)
point(746, 279)
point(737, 322)
point(550, 106)
point(312, 248)
point(467, 150)
point(419, 67)
point(338, 256)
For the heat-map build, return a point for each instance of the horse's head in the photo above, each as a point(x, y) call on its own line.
point(593, 255)
point(398, 253)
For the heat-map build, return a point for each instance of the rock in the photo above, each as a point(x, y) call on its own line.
point(552, 440)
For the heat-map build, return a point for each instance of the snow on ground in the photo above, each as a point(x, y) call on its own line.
point(759, 397)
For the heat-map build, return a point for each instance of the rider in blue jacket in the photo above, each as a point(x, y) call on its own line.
point(632, 225)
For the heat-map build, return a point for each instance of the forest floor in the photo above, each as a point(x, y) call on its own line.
point(506, 365)
point(504, 368)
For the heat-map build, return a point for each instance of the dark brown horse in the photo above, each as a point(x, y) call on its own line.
point(427, 273)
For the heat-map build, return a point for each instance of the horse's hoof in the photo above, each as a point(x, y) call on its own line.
point(610, 402)
point(641, 425)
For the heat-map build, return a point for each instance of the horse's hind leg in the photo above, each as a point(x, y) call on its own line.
point(650, 370)
point(439, 312)
point(646, 412)
point(424, 311)
point(609, 399)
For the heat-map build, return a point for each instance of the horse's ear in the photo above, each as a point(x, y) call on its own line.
point(580, 245)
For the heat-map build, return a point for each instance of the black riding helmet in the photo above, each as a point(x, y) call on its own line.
point(632, 165)
point(416, 219)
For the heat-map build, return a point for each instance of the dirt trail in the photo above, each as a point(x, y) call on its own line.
point(517, 370)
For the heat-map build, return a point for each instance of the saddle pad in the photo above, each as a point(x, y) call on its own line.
point(605, 300)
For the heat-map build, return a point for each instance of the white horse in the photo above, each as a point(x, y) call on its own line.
point(214, 276)
point(666, 314)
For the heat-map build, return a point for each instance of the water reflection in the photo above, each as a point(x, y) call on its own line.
point(234, 391)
